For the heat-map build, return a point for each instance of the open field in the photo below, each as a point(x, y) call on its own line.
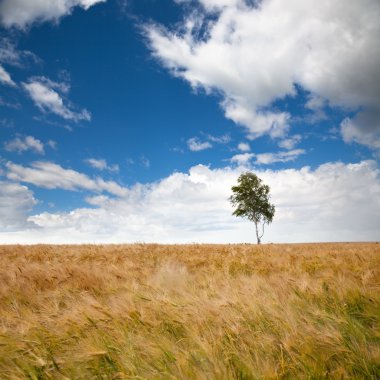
point(140, 311)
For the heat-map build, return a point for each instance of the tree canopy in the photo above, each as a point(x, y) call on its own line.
point(251, 199)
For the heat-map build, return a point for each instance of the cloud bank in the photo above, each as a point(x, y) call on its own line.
point(16, 201)
point(334, 202)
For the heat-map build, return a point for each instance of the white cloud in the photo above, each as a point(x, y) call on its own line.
point(101, 164)
point(52, 144)
point(225, 139)
point(254, 55)
point(5, 77)
point(275, 124)
point(315, 103)
point(62, 87)
point(10, 55)
point(290, 142)
point(22, 144)
point(334, 202)
point(267, 158)
point(362, 129)
point(244, 147)
point(46, 97)
point(21, 13)
point(97, 200)
point(52, 176)
point(242, 158)
point(195, 145)
point(270, 158)
point(16, 202)
point(213, 5)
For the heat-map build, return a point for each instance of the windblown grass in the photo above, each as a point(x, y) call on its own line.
point(140, 311)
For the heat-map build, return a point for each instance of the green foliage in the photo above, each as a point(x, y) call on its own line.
point(251, 199)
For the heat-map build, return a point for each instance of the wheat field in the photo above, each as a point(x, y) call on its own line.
point(144, 311)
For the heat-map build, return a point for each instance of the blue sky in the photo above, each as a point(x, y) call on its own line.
point(124, 121)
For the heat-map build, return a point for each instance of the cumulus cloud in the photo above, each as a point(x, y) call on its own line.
point(275, 124)
point(363, 129)
point(195, 145)
point(16, 202)
point(52, 176)
point(22, 13)
point(315, 103)
point(101, 164)
point(5, 77)
point(290, 142)
point(244, 147)
point(242, 158)
point(255, 53)
point(334, 202)
point(47, 95)
point(22, 144)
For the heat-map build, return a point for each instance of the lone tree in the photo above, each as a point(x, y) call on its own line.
point(251, 199)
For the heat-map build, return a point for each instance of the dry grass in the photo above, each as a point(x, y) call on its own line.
point(190, 312)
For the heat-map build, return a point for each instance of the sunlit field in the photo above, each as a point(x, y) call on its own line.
point(141, 311)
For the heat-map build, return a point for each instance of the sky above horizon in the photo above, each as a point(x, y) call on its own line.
point(130, 120)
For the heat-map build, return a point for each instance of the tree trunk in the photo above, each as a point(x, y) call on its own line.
point(257, 234)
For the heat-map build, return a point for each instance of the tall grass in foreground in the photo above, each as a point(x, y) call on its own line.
point(190, 312)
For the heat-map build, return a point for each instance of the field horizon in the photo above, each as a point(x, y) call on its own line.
point(190, 311)
point(184, 244)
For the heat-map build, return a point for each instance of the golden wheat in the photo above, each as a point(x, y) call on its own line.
point(303, 311)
